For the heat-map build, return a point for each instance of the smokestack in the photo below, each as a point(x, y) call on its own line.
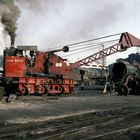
point(9, 12)
point(9, 27)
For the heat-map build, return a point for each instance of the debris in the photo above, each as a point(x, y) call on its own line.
point(12, 98)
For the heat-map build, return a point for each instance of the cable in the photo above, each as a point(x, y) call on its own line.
point(89, 48)
point(86, 41)
point(94, 39)
point(101, 42)
point(92, 45)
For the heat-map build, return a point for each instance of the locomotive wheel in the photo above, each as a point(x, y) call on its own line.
point(123, 90)
point(136, 88)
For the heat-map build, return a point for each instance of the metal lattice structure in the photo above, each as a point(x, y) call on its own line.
point(126, 41)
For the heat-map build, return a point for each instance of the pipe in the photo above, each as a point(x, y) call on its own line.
point(64, 49)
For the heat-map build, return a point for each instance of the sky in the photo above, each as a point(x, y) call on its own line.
point(53, 23)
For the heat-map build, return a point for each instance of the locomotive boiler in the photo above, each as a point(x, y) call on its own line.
point(29, 71)
point(125, 77)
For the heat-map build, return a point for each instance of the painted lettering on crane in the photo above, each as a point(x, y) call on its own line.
point(15, 60)
point(58, 64)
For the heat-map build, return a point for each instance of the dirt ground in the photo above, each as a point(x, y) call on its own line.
point(40, 109)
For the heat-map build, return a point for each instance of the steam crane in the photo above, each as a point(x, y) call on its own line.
point(48, 73)
point(39, 73)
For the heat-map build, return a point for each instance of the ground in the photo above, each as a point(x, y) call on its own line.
point(27, 110)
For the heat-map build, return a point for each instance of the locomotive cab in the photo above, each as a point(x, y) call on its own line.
point(16, 61)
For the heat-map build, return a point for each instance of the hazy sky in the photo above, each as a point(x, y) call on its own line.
point(51, 23)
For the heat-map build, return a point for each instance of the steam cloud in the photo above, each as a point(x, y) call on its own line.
point(9, 13)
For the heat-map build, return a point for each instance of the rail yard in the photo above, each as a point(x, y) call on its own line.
point(87, 114)
point(42, 99)
point(48, 93)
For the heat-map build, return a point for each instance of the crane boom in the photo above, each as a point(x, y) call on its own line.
point(126, 41)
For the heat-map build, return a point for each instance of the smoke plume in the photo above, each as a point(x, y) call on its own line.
point(9, 13)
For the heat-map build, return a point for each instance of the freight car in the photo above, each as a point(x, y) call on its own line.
point(125, 77)
point(29, 71)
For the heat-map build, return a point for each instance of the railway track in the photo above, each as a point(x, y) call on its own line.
point(87, 126)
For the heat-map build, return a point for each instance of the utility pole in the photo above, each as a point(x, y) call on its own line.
point(103, 62)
